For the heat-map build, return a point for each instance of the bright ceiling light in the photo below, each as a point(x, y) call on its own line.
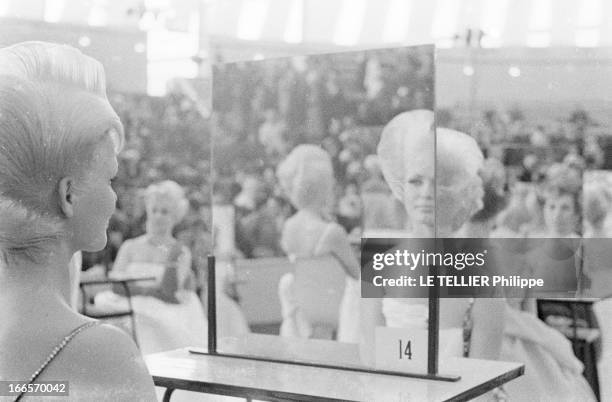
point(493, 21)
point(540, 22)
point(396, 22)
point(84, 41)
point(590, 18)
point(541, 15)
point(350, 22)
point(538, 39)
point(295, 23)
point(252, 19)
point(53, 10)
point(587, 37)
point(140, 47)
point(98, 15)
point(445, 19)
point(514, 72)
point(4, 7)
point(590, 14)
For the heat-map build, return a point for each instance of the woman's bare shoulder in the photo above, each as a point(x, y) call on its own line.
point(103, 363)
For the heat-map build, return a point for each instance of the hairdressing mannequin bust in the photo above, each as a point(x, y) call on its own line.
point(59, 138)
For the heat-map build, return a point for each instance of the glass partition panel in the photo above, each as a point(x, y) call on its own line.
point(301, 175)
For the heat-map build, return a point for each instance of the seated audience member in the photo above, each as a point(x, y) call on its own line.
point(561, 209)
point(169, 314)
point(596, 207)
point(59, 139)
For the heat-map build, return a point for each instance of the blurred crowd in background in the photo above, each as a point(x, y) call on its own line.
point(263, 110)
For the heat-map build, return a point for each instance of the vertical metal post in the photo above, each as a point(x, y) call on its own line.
point(212, 306)
point(433, 326)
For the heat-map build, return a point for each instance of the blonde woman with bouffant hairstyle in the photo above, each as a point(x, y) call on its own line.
point(59, 139)
point(169, 314)
point(307, 178)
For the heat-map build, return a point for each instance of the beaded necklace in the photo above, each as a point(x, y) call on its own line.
point(60, 346)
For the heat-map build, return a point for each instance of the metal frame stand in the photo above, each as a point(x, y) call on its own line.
point(433, 340)
point(211, 294)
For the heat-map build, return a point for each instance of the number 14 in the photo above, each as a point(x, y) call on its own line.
point(405, 350)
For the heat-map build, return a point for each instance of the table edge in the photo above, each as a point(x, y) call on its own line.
point(489, 385)
point(106, 281)
point(243, 391)
point(254, 392)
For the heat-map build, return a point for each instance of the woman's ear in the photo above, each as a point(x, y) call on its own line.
point(66, 196)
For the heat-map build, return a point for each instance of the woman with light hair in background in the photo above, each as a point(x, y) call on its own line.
point(168, 312)
point(307, 178)
point(59, 139)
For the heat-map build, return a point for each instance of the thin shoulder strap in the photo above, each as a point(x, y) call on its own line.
point(56, 351)
point(323, 238)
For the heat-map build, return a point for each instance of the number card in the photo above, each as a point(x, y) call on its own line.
point(401, 349)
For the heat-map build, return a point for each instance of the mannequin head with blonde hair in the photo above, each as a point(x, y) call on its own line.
point(59, 138)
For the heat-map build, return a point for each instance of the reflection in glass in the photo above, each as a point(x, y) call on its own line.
point(295, 154)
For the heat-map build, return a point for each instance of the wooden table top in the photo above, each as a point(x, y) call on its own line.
point(226, 375)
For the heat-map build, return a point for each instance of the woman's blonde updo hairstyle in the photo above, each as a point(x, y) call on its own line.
point(307, 177)
point(171, 191)
point(409, 139)
point(53, 114)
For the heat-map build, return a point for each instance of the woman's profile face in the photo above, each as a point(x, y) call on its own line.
point(95, 200)
point(560, 214)
point(160, 215)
